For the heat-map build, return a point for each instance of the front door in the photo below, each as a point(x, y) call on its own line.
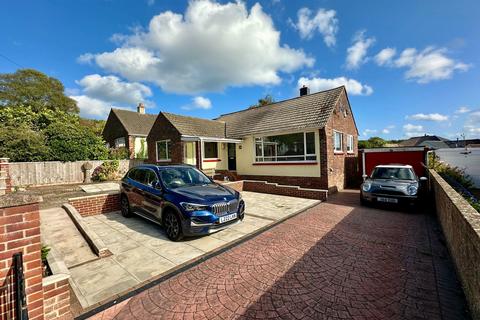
point(189, 153)
point(232, 157)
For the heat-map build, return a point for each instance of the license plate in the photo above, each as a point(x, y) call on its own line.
point(390, 200)
point(228, 217)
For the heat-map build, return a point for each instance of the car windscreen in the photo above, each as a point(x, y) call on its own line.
point(183, 177)
point(393, 173)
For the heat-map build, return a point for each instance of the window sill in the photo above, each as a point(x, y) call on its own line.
point(285, 163)
point(164, 160)
point(350, 152)
point(338, 152)
point(212, 160)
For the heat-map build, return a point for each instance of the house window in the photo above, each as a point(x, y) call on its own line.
point(349, 143)
point(120, 142)
point(337, 141)
point(163, 150)
point(210, 150)
point(287, 147)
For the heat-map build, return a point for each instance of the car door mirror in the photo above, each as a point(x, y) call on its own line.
point(364, 176)
point(157, 185)
point(423, 178)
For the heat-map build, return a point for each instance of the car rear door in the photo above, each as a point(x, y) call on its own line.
point(152, 196)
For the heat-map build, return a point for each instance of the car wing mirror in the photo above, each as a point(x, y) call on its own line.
point(364, 176)
point(423, 178)
point(158, 186)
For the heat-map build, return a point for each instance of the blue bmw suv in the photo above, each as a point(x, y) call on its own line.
point(180, 198)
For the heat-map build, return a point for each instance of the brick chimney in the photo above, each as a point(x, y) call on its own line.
point(141, 108)
point(304, 90)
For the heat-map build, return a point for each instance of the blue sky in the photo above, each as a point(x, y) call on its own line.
point(411, 67)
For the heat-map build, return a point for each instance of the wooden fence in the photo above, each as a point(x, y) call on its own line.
point(56, 172)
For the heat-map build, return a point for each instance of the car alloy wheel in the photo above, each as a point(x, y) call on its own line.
point(172, 226)
point(125, 207)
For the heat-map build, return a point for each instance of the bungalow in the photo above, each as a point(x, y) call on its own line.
point(129, 129)
point(309, 141)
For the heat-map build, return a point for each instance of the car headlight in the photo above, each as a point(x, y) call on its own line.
point(412, 190)
point(366, 186)
point(193, 206)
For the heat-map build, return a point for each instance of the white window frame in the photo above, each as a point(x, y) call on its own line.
point(350, 143)
point(166, 149)
point(305, 155)
point(118, 144)
point(335, 150)
point(203, 150)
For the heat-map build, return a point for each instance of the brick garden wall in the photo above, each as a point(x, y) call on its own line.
point(96, 204)
point(274, 188)
point(304, 182)
point(20, 232)
point(461, 227)
point(56, 299)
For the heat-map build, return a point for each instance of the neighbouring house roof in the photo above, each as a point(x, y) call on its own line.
point(434, 144)
point(191, 126)
point(309, 111)
point(135, 123)
point(417, 141)
point(461, 143)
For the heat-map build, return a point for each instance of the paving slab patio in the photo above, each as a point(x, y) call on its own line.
point(141, 251)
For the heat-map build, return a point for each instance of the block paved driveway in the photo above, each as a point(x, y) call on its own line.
point(335, 261)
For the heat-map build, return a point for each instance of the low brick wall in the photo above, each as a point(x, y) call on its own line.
point(461, 226)
point(96, 204)
point(56, 297)
point(274, 188)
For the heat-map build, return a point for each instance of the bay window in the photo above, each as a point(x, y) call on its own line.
point(163, 150)
point(286, 147)
point(337, 141)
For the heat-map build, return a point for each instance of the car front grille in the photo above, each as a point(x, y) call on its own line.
point(223, 208)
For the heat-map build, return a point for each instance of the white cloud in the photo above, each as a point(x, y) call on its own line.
point(411, 130)
point(210, 47)
point(353, 86)
point(324, 21)
point(384, 57)
point(368, 132)
point(112, 89)
point(472, 124)
point(428, 117)
point(388, 129)
point(429, 64)
point(356, 54)
point(91, 107)
point(462, 110)
point(199, 102)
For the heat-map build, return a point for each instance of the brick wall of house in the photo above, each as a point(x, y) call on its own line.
point(114, 129)
point(96, 204)
point(162, 129)
point(56, 300)
point(131, 146)
point(20, 232)
point(342, 167)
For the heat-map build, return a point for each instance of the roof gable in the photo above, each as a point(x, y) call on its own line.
point(309, 111)
point(135, 123)
point(198, 127)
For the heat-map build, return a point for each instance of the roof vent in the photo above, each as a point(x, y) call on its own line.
point(141, 108)
point(304, 90)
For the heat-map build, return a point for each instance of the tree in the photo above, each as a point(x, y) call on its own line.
point(47, 135)
point(373, 142)
point(28, 87)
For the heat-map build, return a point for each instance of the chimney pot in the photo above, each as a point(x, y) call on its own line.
point(304, 90)
point(141, 108)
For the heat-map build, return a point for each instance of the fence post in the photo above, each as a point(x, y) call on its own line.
point(5, 182)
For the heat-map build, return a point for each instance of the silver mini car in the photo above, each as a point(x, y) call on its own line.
point(393, 183)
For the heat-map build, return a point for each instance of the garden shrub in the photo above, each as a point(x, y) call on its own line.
point(106, 171)
point(118, 153)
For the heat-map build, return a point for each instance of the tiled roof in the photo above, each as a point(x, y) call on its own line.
point(199, 127)
point(134, 122)
point(417, 141)
point(309, 111)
